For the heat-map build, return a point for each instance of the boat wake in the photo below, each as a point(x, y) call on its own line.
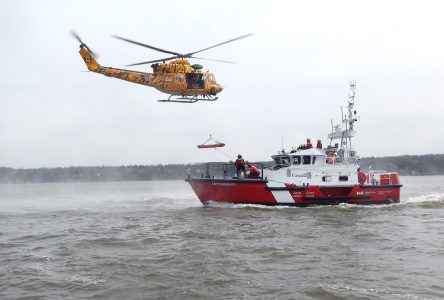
point(218, 204)
point(429, 198)
point(417, 200)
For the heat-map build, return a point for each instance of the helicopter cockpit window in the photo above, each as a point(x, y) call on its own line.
point(169, 78)
point(195, 81)
point(212, 79)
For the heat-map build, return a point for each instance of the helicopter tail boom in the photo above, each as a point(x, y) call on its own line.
point(128, 75)
point(89, 60)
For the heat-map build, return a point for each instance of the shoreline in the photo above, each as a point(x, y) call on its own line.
point(405, 165)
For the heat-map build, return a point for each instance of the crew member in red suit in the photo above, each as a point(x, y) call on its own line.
point(240, 166)
point(319, 144)
point(309, 144)
point(254, 172)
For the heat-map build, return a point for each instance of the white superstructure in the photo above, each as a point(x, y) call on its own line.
point(335, 165)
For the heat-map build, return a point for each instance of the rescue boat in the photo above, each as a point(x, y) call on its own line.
point(304, 176)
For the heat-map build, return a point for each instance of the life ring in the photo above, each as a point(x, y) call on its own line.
point(331, 158)
point(362, 178)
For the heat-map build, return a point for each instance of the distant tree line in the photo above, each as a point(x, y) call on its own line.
point(432, 164)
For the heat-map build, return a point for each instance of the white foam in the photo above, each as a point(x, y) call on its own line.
point(433, 197)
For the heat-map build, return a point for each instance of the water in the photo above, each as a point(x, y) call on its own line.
point(154, 240)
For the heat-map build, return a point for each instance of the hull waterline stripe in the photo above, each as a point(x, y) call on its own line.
point(379, 186)
point(335, 198)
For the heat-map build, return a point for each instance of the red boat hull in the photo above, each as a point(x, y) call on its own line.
point(261, 192)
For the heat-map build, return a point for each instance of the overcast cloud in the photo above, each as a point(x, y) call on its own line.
point(290, 79)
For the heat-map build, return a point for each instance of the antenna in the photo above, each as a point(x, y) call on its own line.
point(351, 112)
point(352, 90)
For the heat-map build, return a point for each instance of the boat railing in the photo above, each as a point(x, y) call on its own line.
point(379, 177)
point(224, 170)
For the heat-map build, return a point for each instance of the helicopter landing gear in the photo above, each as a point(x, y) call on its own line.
point(188, 99)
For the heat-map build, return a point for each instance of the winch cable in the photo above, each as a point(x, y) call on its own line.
point(224, 153)
point(207, 120)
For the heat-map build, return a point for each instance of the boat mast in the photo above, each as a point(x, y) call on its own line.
point(351, 117)
point(346, 130)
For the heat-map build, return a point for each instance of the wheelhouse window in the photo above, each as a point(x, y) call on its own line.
point(313, 161)
point(343, 178)
point(296, 160)
point(277, 160)
point(306, 159)
point(285, 160)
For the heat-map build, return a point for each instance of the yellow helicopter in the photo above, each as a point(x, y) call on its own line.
point(185, 83)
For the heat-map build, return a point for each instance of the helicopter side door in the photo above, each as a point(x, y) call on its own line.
point(195, 81)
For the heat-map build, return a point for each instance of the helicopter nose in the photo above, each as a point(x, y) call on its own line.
point(215, 89)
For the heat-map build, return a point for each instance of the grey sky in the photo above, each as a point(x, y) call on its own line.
point(290, 79)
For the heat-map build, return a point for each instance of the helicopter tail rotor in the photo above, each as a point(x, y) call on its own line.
point(89, 56)
point(75, 35)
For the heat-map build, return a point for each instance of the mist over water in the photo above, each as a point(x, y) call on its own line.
point(154, 240)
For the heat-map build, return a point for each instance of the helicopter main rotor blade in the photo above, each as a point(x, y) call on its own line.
point(224, 61)
point(82, 44)
point(153, 61)
point(74, 34)
point(220, 44)
point(145, 45)
point(94, 54)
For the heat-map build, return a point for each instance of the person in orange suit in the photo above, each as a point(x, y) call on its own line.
point(254, 171)
point(240, 166)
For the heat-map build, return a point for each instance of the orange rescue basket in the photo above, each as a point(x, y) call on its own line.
point(207, 144)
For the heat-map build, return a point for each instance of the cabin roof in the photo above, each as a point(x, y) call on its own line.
point(311, 151)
